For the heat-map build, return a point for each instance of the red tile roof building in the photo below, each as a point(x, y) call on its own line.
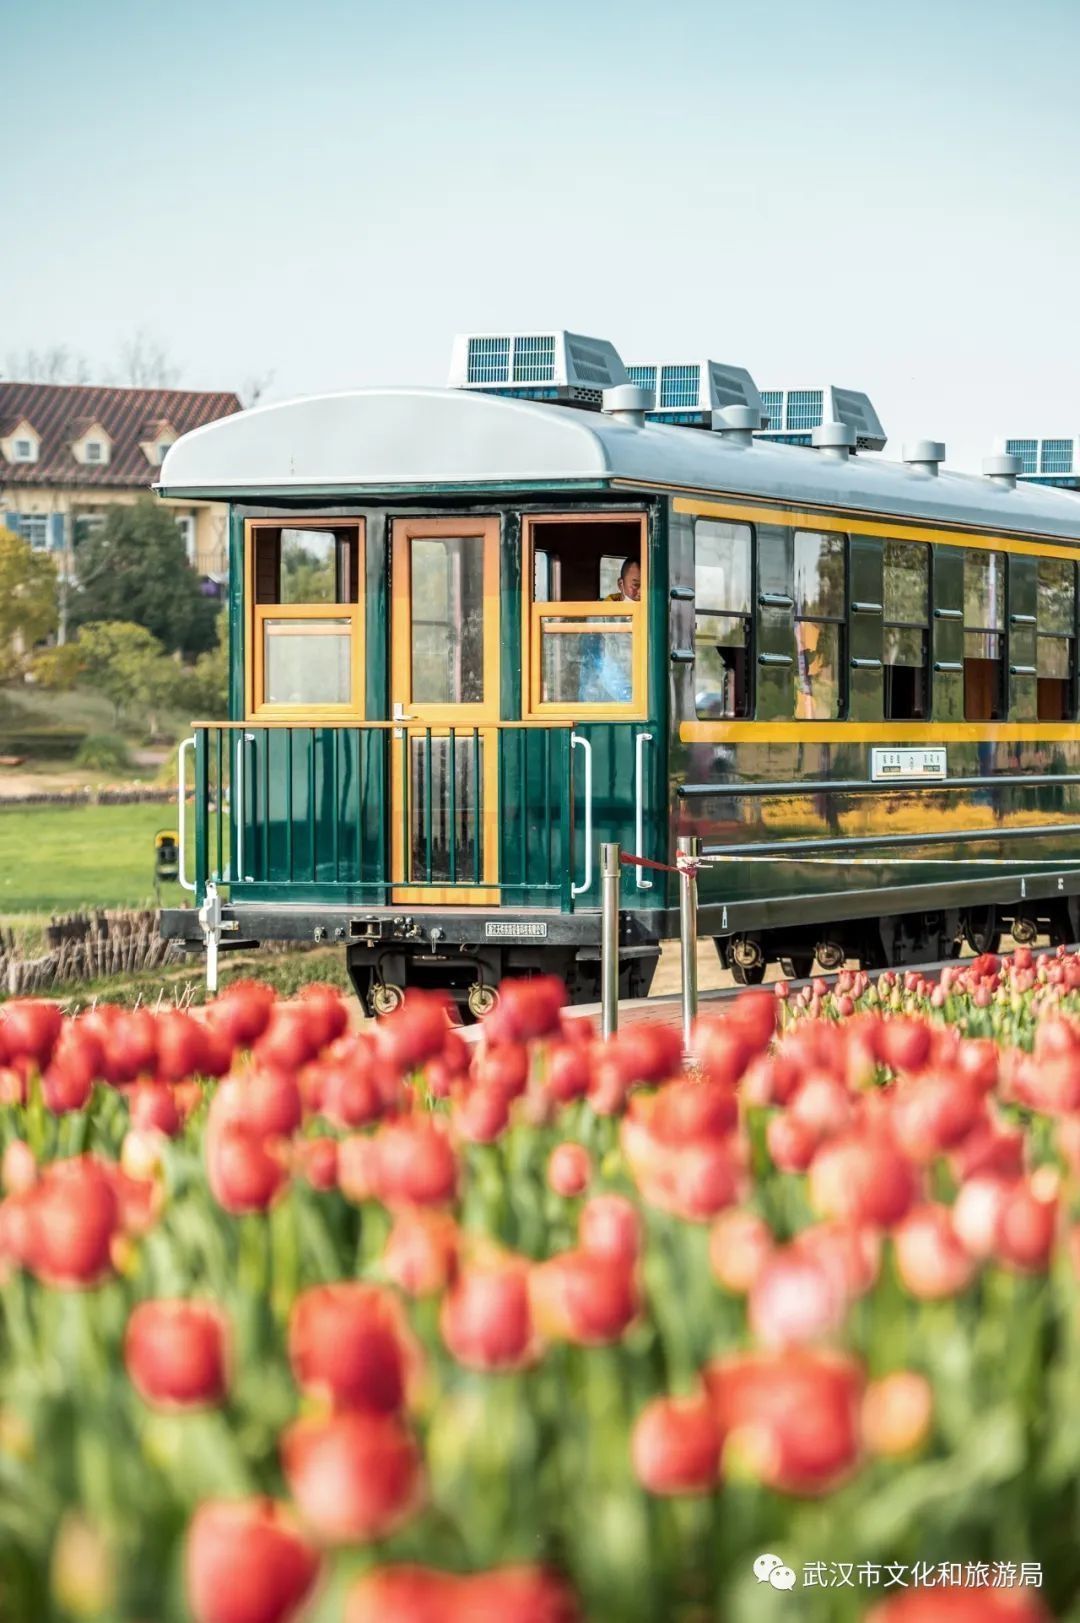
point(69, 451)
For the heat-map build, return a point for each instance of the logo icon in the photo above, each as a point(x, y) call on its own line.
point(770, 1569)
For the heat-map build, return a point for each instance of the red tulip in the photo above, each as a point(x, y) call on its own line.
point(131, 1038)
point(271, 1105)
point(18, 1171)
point(350, 1093)
point(245, 1562)
point(502, 1070)
point(243, 1171)
point(791, 1143)
point(582, 1297)
point(794, 1300)
point(242, 1012)
point(353, 1476)
point(153, 1108)
point(1027, 1222)
point(720, 1050)
point(610, 1226)
point(675, 1446)
point(415, 1163)
point(567, 1073)
point(793, 1417)
point(897, 1413)
point(175, 1353)
point(485, 1318)
point(350, 1342)
point(862, 1177)
point(821, 1103)
point(930, 1259)
point(30, 1029)
point(482, 1115)
point(933, 1112)
point(739, 1246)
point(951, 1605)
point(326, 1012)
point(523, 1594)
point(180, 1046)
point(849, 1254)
point(74, 1215)
point(569, 1169)
point(316, 1160)
point(415, 1032)
point(904, 1045)
point(687, 1112)
point(976, 1212)
point(526, 1009)
point(421, 1251)
point(405, 1594)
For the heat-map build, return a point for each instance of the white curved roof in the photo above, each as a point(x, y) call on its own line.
point(373, 440)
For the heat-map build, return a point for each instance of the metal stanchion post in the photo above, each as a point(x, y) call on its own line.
point(610, 874)
point(688, 847)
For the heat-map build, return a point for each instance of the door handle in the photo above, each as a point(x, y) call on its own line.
point(576, 741)
point(639, 809)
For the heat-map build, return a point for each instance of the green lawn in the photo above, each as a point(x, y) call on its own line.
point(57, 859)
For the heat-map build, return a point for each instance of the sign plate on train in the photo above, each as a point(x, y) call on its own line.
point(526, 931)
point(907, 765)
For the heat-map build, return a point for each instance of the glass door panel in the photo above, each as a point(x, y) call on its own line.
point(444, 687)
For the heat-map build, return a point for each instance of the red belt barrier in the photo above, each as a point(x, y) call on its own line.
point(690, 868)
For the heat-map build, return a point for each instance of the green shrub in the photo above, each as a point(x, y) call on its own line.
point(41, 743)
point(103, 752)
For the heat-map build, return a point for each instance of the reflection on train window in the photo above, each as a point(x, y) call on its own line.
point(1056, 618)
point(723, 618)
point(905, 639)
point(820, 614)
point(585, 639)
point(295, 564)
point(984, 636)
point(447, 587)
point(586, 660)
point(306, 617)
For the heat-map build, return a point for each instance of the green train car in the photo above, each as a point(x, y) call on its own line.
point(476, 631)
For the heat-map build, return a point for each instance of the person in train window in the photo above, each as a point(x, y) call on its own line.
point(629, 587)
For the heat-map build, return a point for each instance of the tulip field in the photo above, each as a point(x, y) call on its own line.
point(302, 1321)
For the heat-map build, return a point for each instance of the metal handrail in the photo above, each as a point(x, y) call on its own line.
point(639, 809)
point(586, 884)
point(181, 799)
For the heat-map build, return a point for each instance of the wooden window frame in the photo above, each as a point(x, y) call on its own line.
point(750, 617)
point(841, 620)
point(256, 707)
point(533, 614)
point(1001, 632)
point(909, 625)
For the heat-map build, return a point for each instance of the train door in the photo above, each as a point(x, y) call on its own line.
point(444, 698)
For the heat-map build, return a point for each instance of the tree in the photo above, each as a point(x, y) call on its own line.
point(145, 363)
point(27, 601)
point(206, 690)
point(57, 364)
point(135, 568)
point(129, 666)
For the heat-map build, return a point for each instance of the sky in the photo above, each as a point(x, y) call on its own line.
point(881, 196)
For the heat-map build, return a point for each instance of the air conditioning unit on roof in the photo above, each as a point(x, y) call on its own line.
point(687, 393)
point(555, 366)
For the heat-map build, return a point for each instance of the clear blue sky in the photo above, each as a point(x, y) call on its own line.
point(881, 196)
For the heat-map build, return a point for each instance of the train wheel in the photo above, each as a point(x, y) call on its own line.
point(748, 974)
point(481, 999)
point(982, 932)
point(386, 997)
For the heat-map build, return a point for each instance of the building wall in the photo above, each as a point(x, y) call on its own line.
point(207, 534)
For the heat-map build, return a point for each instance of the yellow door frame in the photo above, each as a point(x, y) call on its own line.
point(416, 718)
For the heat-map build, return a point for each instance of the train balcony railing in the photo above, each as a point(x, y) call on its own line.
point(499, 812)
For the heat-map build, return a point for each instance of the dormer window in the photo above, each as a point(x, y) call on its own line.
point(95, 451)
point(24, 450)
point(163, 449)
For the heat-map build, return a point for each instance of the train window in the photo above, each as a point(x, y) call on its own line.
point(723, 618)
point(1056, 619)
point(306, 614)
point(905, 639)
point(984, 636)
point(585, 644)
point(820, 616)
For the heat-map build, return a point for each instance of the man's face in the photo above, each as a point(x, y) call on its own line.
point(631, 582)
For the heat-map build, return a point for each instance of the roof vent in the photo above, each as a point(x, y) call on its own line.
point(1003, 469)
point(562, 367)
point(923, 456)
point(793, 414)
point(688, 393)
point(833, 439)
point(736, 423)
point(627, 403)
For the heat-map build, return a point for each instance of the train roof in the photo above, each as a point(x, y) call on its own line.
point(380, 441)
